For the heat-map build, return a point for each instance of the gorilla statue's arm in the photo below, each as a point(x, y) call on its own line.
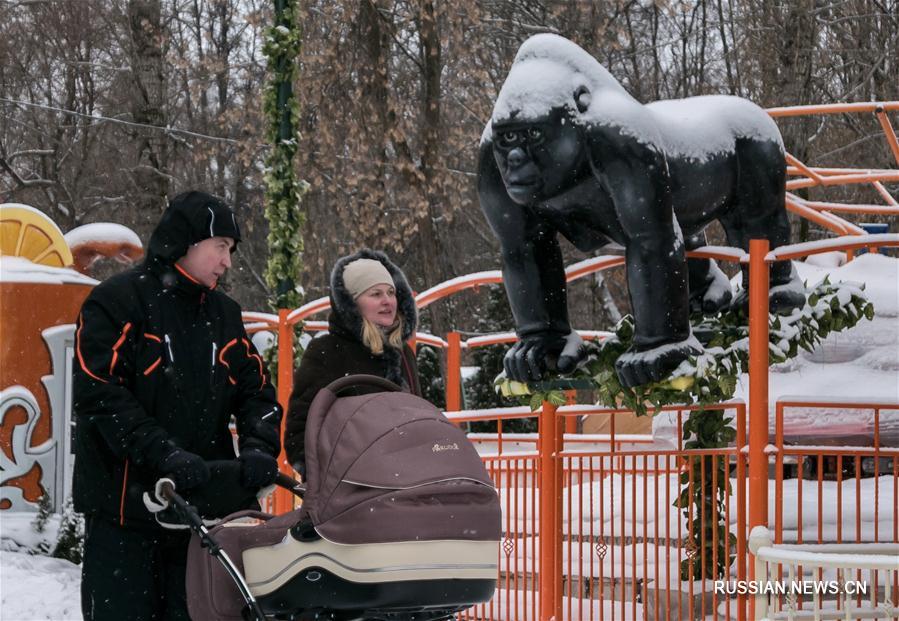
point(533, 274)
point(637, 179)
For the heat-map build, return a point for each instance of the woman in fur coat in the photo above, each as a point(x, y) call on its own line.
point(372, 317)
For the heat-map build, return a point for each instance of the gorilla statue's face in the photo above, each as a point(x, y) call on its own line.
point(538, 158)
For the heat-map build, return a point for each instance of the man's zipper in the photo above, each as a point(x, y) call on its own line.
point(168, 344)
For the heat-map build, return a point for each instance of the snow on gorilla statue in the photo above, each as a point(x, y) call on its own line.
point(568, 151)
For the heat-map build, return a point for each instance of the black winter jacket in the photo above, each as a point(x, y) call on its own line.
point(161, 362)
point(341, 352)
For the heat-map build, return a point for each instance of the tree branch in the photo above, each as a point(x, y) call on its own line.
point(24, 183)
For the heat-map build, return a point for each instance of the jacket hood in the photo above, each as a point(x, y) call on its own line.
point(190, 217)
point(344, 312)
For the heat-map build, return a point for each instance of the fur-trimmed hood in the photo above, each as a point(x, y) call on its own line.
point(345, 315)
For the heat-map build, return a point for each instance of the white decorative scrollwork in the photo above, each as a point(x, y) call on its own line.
point(23, 455)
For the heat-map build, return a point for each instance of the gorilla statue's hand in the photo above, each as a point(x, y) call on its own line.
point(529, 359)
point(636, 368)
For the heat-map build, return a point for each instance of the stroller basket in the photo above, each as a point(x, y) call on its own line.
point(399, 521)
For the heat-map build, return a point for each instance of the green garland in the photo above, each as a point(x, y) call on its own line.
point(283, 191)
point(710, 377)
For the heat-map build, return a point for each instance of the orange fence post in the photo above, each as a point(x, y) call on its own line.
point(570, 421)
point(550, 515)
point(283, 499)
point(741, 508)
point(758, 387)
point(453, 372)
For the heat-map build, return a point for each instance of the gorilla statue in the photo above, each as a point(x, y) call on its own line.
point(568, 151)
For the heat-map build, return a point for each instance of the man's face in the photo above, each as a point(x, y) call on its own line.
point(208, 260)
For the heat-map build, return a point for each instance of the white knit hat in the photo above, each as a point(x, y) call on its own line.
point(362, 274)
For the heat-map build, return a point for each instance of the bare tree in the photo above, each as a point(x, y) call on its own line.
point(147, 101)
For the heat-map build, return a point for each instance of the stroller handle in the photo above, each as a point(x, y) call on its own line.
point(166, 489)
point(362, 380)
point(290, 484)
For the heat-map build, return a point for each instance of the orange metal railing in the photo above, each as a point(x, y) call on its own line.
point(580, 545)
point(858, 485)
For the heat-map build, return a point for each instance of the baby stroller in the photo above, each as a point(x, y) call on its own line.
point(399, 522)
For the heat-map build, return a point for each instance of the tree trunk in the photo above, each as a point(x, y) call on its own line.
point(149, 174)
point(431, 252)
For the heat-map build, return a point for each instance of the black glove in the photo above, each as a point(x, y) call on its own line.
point(186, 469)
point(257, 468)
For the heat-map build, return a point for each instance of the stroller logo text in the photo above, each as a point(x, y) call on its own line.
point(437, 448)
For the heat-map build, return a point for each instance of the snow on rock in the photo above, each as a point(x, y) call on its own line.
point(18, 533)
point(17, 269)
point(827, 259)
point(106, 232)
point(880, 273)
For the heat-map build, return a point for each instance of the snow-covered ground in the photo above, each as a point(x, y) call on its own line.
point(34, 586)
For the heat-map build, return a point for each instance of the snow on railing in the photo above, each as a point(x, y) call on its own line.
point(835, 243)
point(847, 561)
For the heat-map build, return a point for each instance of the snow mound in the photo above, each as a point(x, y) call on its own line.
point(40, 587)
point(19, 270)
point(106, 232)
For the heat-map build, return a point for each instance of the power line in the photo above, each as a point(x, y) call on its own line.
point(174, 130)
point(168, 130)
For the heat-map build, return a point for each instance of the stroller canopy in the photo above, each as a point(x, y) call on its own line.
point(388, 466)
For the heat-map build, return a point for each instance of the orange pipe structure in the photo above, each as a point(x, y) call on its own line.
point(283, 500)
point(454, 372)
point(888, 130)
point(802, 168)
point(889, 106)
point(847, 179)
point(848, 243)
point(883, 192)
point(549, 447)
point(824, 220)
point(872, 210)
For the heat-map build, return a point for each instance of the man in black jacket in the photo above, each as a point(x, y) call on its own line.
point(162, 364)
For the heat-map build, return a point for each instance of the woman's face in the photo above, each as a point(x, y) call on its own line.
point(378, 305)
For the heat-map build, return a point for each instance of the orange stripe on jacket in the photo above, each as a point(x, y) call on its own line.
point(258, 359)
point(225, 362)
point(231, 343)
point(115, 348)
point(78, 351)
point(186, 275)
point(122, 502)
point(153, 366)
